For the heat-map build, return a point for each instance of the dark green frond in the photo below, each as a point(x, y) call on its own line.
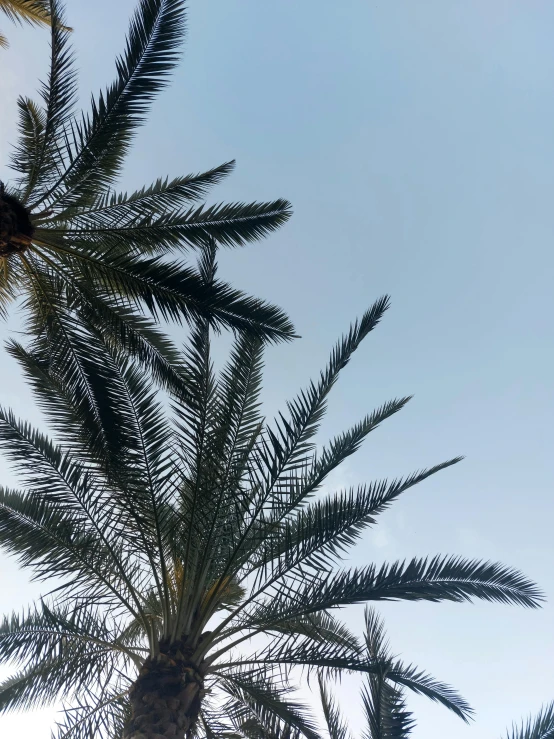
point(43, 539)
point(420, 682)
point(12, 280)
point(28, 640)
point(320, 627)
point(437, 579)
point(383, 702)
point(320, 532)
point(164, 194)
point(176, 293)
point(153, 229)
point(303, 652)
point(344, 446)
point(25, 158)
point(307, 410)
point(138, 336)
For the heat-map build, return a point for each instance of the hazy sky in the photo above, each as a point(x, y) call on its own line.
point(415, 140)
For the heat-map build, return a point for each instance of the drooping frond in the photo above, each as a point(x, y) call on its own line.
point(174, 292)
point(435, 580)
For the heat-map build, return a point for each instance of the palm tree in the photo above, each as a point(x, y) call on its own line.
point(384, 702)
point(92, 262)
point(194, 570)
point(36, 12)
point(539, 727)
point(383, 692)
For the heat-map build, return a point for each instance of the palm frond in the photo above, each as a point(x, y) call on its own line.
point(26, 154)
point(98, 143)
point(156, 230)
point(319, 533)
point(292, 440)
point(259, 700)
point(437, 579)
point(176, 293)
point(155, 199)
point(57, 659)
point(385, 711)
point(320, 627)
point(335, 723)
point(36, 12)
point(38, 157)
point(98, 714)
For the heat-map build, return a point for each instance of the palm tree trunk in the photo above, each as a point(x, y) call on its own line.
point(16, 229)
point(165, 699)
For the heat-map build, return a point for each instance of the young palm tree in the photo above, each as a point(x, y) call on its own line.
point(88, 260)
point(384, 702)
point(193, 569)
point(36, 12)
point(539, 727)
point(383, 692)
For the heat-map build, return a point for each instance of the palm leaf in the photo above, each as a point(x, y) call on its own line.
point(35, 12)
point(261, 701)
point(37, 157)
point(101, 140)
point(335, 724)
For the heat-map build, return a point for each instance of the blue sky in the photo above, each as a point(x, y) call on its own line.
point(415, 142)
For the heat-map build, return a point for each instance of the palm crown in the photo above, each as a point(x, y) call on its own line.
point(36, 12)
point(177, 535)
point(91, 261)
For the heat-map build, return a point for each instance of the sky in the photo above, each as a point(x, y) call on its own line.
point(415, 142)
